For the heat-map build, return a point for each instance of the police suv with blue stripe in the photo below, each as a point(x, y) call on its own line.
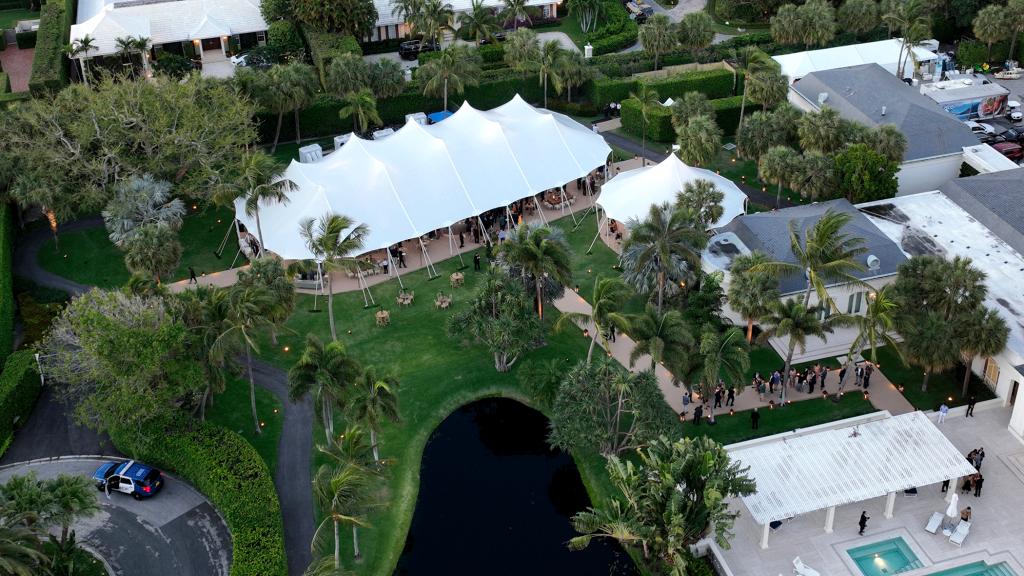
point(131, 477)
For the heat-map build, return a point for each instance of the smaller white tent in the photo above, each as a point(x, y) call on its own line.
point(885, 53)
point(631, 194)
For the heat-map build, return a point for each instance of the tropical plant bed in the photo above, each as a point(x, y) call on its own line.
point(733, 428)
point(437, 374)
point(86, 564)
point(88, 257)
point(943, 387)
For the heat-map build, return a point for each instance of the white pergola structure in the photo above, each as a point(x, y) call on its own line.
point(822, 470)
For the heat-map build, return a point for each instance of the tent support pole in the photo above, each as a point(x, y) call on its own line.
point(364, 287)
point(511, 221)
point(483, 229)
point(431, 271)
point(565, 203)
point(462, 263)
point(224, 243)
point(451, 248)
point(600, 224)
point(391, 266)
point(540, 211)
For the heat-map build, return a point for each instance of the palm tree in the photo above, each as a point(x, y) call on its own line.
point(929, 342)
point(258, 180)
point(825, 254)
point(647, 97)
point(657, 36)
point(662, 248)
point(24, 497)
point(616, 520)
point(822, 131)
point(294, 85)
point(515, 10)
point(20, 553)
point(455, 68)
point(407, 10)
point(346, 73)
point(752, 60)
point(341, 487)
point(541, 255)
point(689, 105)
point(875, 326)
point(777, 165)
point(858, 16)
point(79, 50)
point(911, 19)
point(244, 315)
point(362, 107)
point(664, 336)
point(574, 71)
point(608, 297)
point(725, 355)
point(751, 293)
point(270, 275)
point(332, 240)
point(139, 202)
point(889, 141)
point(795, 321)
point(522, 50)
point(435, 17)
point(1015, 21)
point(766, 87)
point(697, 30)
point(699, 141)
point(990, 26)
point(386, 78)
point(326, 371)
point(73, 498)
point(372, 399)
point(125, 46)
point(984, 333)
point(549, 67)
point(479, 22)
point(152, 251)
point(704, 199)
point(587, 12)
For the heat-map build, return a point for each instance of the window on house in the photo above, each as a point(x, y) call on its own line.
point(991, 371)
point(854, 302)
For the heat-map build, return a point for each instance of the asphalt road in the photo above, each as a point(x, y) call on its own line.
point(175, 533)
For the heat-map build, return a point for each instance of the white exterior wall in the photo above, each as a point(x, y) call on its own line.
point(928, 174)
point(1003, 386)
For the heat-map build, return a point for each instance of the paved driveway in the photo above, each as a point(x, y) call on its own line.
point(175, 533)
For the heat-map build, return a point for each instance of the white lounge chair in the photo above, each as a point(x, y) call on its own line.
point(960, 534)
point(934, 522)
point(802, 569)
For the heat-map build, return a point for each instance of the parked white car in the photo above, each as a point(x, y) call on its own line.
point(1013, 111)
point(980, 128)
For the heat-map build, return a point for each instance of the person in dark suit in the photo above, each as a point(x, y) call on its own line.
point(476, 261)
point(970, 403)
point(755, 417)
point(863, 523)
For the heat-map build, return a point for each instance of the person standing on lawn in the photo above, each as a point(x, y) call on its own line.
point(755, 417)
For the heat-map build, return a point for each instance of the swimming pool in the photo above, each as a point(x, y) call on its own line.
point(890, 556)
point(978, 569)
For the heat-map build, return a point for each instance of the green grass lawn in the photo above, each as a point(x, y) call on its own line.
point(8, 18)
point(232, 411)
point(437, 373)
point(945, 387)
point(736, 428)
point(88, 256)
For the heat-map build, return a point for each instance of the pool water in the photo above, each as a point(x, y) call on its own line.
point(978, 569)
point(886, 557)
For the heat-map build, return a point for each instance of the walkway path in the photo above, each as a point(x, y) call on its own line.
point(562, 37)
point(51, 432)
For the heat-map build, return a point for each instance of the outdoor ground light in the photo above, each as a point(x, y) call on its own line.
point(586, 333)
point(350, 332)
point(275, 410)
point(262, 424)
point(287, 349)
point(950, 398)
point(732, 412)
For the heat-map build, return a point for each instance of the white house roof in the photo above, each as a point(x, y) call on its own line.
point(164, 21)
point(629, 195)
point(384, 8)
point(424, 178)
point(801, 474)
point(885, 53)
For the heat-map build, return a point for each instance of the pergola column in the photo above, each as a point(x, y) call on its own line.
point(890, 502)
point(765, 530)
point(830, 519)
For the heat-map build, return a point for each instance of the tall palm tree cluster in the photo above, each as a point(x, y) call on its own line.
point(29, 508)
point(555, 66)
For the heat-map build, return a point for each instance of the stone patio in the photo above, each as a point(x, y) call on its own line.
point(997, 533)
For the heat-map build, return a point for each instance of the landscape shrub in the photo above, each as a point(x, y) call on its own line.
point(659, 121)
point(617, 32)
point(727, 113)
point(228, 470)
point(284, 38)
point(19, 388)
point(48, 71)
point(970, 53)
point(25, 40)
point(712, 83)
point(6, 280)
point(491, 53)
point(5, 83)
point(324, 47)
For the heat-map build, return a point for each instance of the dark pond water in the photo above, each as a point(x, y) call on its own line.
point(494, 499)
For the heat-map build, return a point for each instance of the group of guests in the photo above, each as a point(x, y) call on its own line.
point(974, 481)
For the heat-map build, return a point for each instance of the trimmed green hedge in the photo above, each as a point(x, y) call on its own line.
point(5, 83)
point(6, 279)
point(227, 469)
point(712, 83)
point(323, 47)
point(659, 119)
point(727, 113)
point(617, 32)
point(19, 388)
point(49, 74)
point(25, 40)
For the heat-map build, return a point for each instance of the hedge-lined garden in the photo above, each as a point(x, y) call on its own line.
point(19, 388)
point(659, 119)
point(712, 83)
point(6, 281)
point(227, 469)
point(49, 74)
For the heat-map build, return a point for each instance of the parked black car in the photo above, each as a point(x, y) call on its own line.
point(498, 37)
point(410, 50)
point(1012, 135)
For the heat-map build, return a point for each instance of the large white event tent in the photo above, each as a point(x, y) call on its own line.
point(425, 178)
point(885, 53)
point(630, 195)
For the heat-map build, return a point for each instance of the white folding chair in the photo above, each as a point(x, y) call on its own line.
point(934, 522)
point(802, 569)
point(960, 534)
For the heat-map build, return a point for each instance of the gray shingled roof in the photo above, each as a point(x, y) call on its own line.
point(858, 93)
point(769, 233)
point(996, 200)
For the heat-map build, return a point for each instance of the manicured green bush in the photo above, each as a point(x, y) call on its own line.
point(284, 38)
point(49, 74)
point(229, 471)
point(659, 121)
point(970, 53)
point(490, 53)
point(727, 113)
point(19, 388)
point(325, 46)
point(6, 279)
point(25, 40)
point(5, 83)
point(712, 83)
point(617, 31)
